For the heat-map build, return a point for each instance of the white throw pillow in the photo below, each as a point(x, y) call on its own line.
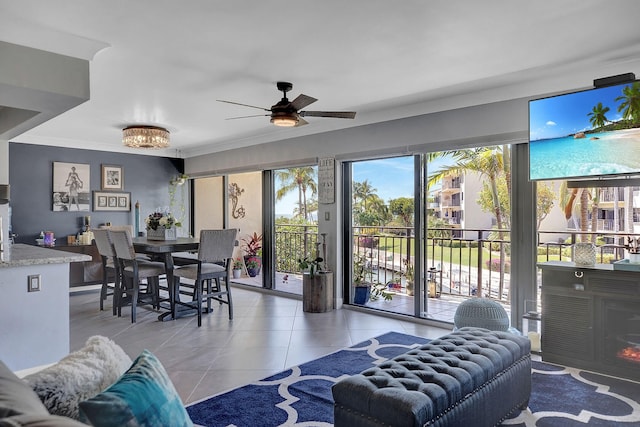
point(79, 376)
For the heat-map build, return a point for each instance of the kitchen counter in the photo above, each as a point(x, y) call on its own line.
point(34, 308)
point(20, 255)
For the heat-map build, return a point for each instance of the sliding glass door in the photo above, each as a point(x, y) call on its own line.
point(295, 223)
point(382, 233)
point(428, 231)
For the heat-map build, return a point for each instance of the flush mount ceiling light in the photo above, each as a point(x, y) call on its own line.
point(145, 137)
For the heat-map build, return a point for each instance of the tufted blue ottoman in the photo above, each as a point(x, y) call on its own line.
point(471, 377)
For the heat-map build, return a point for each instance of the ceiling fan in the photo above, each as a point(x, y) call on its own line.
point(287, 113)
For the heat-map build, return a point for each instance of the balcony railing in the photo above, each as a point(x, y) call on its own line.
point(292, 243)
point(471, 262)
point(556, 245)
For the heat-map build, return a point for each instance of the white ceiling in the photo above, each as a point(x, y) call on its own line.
point(164, 62)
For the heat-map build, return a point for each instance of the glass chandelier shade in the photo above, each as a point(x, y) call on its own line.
point(145, 137)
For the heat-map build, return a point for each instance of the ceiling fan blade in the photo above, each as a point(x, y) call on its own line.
point(243, 105)
point(334, 114)
point(244, 117)
point(301, 122)
point(302, 101)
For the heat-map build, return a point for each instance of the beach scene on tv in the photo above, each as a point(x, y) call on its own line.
point(585, 134)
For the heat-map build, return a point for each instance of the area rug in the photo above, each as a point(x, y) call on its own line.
point(301, 396)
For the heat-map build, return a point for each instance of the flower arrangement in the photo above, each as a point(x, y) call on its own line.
point(157, 220)
point(253, 264)
point(237, 264)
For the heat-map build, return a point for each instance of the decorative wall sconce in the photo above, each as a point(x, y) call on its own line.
point(234, 194)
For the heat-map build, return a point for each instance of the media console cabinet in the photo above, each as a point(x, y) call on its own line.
point(591, 318)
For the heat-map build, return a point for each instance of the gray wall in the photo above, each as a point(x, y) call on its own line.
point(31, 178)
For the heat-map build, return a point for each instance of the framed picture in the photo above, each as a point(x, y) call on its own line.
point(110, 201)
point(112, 177)
point(71, 187)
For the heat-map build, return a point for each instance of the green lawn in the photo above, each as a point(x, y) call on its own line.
point(444, 254)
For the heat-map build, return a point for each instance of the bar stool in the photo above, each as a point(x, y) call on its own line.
point(110, 273)
point(133, 271)
point(213, 263)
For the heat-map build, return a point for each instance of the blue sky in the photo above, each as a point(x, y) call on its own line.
point(391, 178)
point(563, 115)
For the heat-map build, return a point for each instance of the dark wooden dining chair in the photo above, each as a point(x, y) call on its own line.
point(133, 271)
point(110, 273)
point(212, 265)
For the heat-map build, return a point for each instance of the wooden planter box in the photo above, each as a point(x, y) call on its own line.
point(317, 292)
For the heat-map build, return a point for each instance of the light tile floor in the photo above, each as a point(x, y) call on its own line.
point(268, 334)
point(440, 309)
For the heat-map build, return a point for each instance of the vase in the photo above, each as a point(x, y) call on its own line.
point(584, 254)
point(162, 234)
point(237, 273)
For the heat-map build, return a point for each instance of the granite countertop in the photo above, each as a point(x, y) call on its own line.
point(19, 254)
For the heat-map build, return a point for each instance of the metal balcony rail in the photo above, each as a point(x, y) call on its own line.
point(458, 262)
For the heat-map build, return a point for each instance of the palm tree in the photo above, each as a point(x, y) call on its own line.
point(489, 162)
point(568, 197)
point(630, 106)
point(597, 116)
point(363, 193)
point(303, 179)
point(312, 206)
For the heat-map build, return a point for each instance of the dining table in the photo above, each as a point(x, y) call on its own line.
point(164, 249)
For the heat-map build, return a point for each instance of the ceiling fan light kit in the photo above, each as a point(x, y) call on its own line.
point(285, 119)
point(145, 137)
point(287, 113)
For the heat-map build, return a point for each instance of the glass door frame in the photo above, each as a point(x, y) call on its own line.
point(419, 181)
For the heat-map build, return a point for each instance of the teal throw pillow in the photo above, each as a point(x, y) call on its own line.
point(143, 396)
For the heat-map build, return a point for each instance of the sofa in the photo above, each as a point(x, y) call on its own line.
point(98, 385)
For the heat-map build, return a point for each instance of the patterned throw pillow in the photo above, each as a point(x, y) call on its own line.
point(143, 396)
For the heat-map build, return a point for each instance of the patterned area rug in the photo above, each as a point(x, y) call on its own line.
point(301, 396)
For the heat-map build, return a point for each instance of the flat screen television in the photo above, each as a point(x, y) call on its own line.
point(591, 133)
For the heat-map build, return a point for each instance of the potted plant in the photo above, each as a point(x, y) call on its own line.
point(310, 265)
point(252, 247)
point(364, 289)
point(317, 285)
point(408, 275)
point(253, 266)
point(395, 284)
point(237, 268)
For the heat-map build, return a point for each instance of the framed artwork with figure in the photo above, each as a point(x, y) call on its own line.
point(112, 177)
point(71, 187)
